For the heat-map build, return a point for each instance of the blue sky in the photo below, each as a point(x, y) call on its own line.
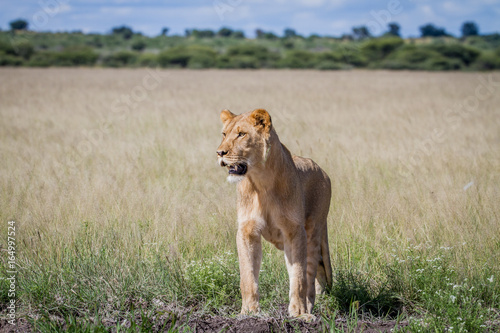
point(324, 17)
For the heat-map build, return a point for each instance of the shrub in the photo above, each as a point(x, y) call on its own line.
point(43, 59)
point(378, 49)
point(75, 56)
point(19, 24)
point(193, 56)
point(239, 61)
point(10, 60)
point(465, 54)
point(330, 56)
point(488, 60)
point(330, 65)
point(202, 33)
point(429, 30)
point(349, 53)
point(124, 31)
point(442, 64)
point(20, 47)
point(298, 59)
point(147, 60)
point(251, 56)
point(7, 48)
point(138, 45)
point(95, 41)
point(397, 64)
point(201, 60)
point(24, 49)
point(413, 57)
point(120, 59)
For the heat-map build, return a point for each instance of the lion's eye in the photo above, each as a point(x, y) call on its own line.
point(241, 134)
point(223, 135)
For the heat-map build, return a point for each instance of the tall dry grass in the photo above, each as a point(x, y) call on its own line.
point(407, 171)
point(70, 156)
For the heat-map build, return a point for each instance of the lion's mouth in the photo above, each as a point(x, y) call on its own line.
point(237, 169)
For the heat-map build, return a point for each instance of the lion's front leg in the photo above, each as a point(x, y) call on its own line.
point(248, 240)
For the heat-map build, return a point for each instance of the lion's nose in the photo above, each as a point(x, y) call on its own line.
point(221, 152)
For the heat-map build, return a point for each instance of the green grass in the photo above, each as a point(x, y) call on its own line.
point(86, 283)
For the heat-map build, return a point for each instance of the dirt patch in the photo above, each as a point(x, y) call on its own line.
point(182, 318)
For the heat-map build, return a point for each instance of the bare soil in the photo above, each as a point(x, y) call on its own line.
point(198, 322)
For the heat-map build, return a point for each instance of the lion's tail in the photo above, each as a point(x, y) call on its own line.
point(325, 254)
point(324, 274)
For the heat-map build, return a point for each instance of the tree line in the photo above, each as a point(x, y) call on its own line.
point(227, 48)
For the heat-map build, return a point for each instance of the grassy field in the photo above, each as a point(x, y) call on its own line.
point(124, 221)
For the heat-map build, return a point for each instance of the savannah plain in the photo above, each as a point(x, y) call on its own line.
point(125, 222)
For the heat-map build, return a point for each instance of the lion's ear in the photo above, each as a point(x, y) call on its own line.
point(262, 119)
point(226, 115)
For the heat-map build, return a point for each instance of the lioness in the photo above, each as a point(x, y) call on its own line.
point(284, 199)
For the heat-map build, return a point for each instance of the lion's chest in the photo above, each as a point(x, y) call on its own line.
point(271, 213)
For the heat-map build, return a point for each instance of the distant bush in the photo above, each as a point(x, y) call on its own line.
point(120, 59)
point(174, 57)
point(23, 48)
point(442, 64)
point(330, 56)
point(330, 65)
point(469, 29)
point(351, 54)
point(96, 41)
point(421, 58)
point(7, 48)
point(10, 60)
point(250, 56)
point(43, 59)
point(298, 59)
point(238, 34)
point(408, 57)
point(147, 60)
point(124, 31)
point(378, 49)
point(239, 61)
point(465, 54)
point(138, 45)
point(485, 41)
point(19, 24)
point(193, 56)
point(488, 60)
point(202, 33)
point(76, 56)
point(201, 60)
point(429, 30)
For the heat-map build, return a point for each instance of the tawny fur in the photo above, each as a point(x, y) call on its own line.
point(284, 199)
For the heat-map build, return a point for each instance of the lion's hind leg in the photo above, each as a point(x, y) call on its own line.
point(313, 259)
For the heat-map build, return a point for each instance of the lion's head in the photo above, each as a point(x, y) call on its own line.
point(245, 142)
